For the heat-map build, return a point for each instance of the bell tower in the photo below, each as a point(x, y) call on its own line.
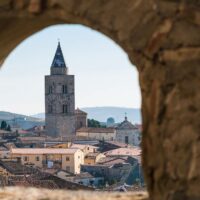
point(59, 99)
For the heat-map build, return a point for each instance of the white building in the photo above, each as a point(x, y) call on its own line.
point(127, 133)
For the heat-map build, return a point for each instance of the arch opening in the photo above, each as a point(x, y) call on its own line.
point(83, 61)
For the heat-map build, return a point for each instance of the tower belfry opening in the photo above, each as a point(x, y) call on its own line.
point(59, 98)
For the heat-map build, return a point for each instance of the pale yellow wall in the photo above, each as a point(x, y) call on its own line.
point(68, 163)
point(74, 162)
point(31, 159)
point(98, 136)
point(99, 156)
point(62, 146)
point(91, 161)
point(78, 161)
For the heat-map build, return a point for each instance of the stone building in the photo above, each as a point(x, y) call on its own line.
point(127, 133)
point(59, 99)
point(80, 118)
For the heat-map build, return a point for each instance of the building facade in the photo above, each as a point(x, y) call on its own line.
point(80, 118)
point(66, 159)
point(59, 99)
point(105, 134)
point(127, 133)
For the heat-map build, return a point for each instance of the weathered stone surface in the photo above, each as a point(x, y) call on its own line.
point(162, 38)
point(19, 193)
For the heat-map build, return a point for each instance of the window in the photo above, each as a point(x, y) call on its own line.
point(50, 109)
point(37, 158)
point(50, 89)
point(67, 159)
point(65, 109)
point(68, 168)
point(126, 139)
point(64, 89)
point(25, 158)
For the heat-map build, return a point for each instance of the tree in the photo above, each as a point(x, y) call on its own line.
point(4, 125)
point(8, 128)
point(93, 123)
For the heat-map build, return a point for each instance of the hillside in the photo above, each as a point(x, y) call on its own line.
point(11, 116)
point(23, 121)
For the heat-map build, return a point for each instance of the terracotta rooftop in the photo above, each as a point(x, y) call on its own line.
point(82, 146)
point(133, 151)
point(24, 139)
point(96, 130)
point(36, 151)
point(112, 160)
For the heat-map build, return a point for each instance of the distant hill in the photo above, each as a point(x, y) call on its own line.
point(102, 113)
point(23, 121)
point(118, 113)
point(11, 116)
point(39, 115)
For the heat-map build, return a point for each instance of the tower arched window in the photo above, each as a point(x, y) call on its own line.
point(50, 109)
point(65, 108)
point(50, 89)
point(64, 89)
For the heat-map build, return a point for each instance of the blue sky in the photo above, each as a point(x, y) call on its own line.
point(103, 74)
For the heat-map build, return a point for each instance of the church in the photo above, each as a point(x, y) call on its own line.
point(61, 118)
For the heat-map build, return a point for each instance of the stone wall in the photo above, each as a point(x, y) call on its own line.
point(18, 193)
point(162, 38)
point(59, 123)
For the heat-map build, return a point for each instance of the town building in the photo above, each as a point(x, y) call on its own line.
point(59, 99)
point(96, 133)
point(13, 173)
point(85, 148)
point(66, 159)
point(127, 151)
point(114, 169)
point(82, 178)
point(80, 118)
point(92, 158)
point(127, 133)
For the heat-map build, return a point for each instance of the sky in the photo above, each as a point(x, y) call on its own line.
point(103, 73)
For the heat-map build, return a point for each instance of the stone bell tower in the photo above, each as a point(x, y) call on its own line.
point(59, 99)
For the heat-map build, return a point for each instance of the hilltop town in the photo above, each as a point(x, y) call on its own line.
point(70, 151)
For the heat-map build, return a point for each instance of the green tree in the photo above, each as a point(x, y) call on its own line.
point(8, 128)
point(93, 123)
point(4, 125)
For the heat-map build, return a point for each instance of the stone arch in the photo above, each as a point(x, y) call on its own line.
point(161, 37)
